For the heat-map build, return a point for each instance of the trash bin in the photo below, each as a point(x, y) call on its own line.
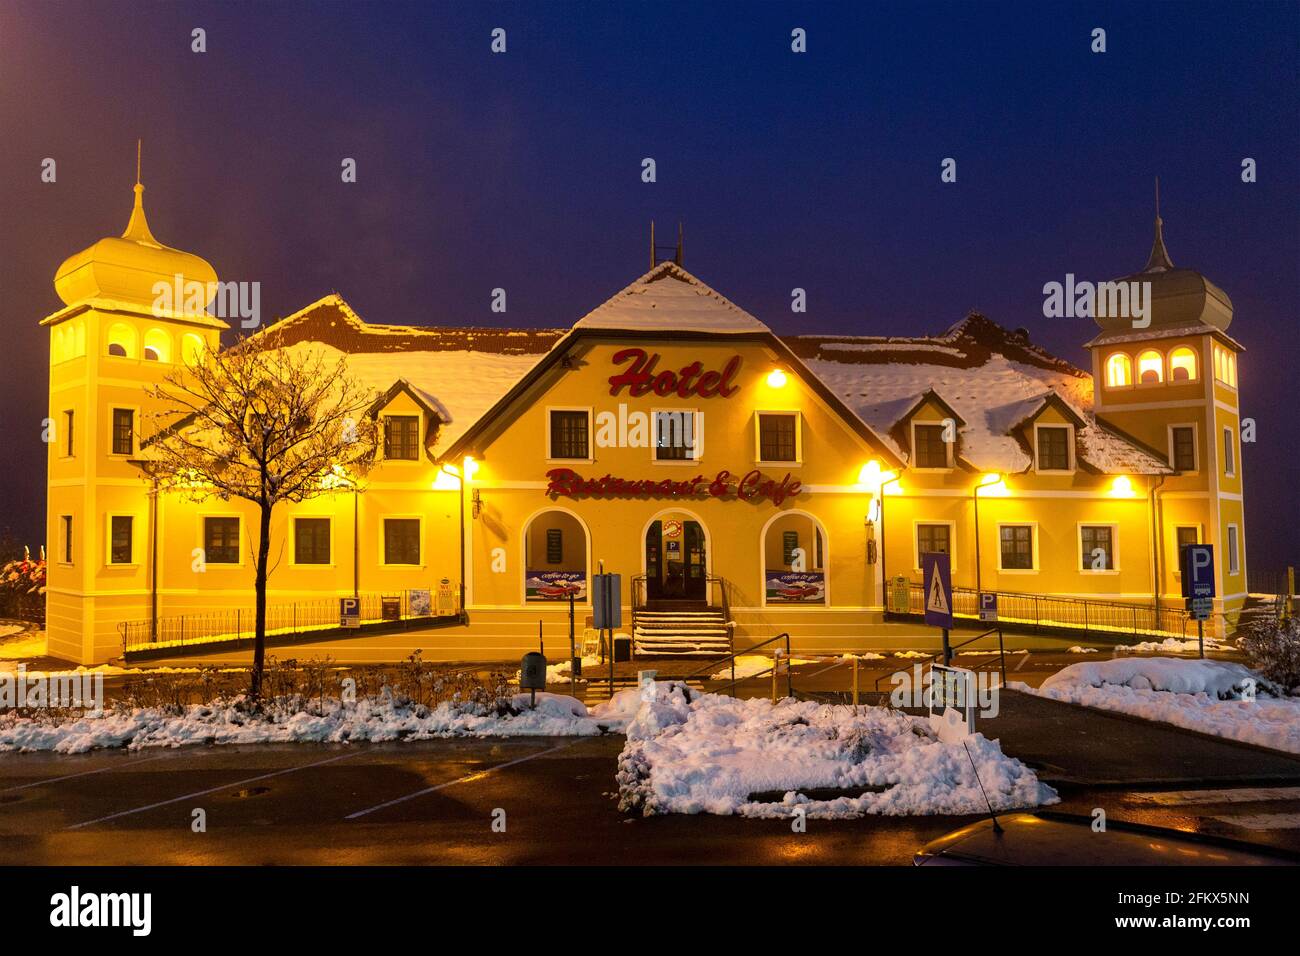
point(532, 671)
point(622, 648)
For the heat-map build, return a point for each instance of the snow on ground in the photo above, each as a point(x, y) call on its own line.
point(559, 673)
point(374, 719)
point(911, 654)
point(688, 752)
point(1212, 697)
point(750, 665)
point(1172, 645)
point(1080, 649)
point(9, 629)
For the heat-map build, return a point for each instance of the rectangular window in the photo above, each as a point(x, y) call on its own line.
point(554, 546)
point(777, 436)
point(65, 522)
point(67, 432)
point(933, 538)
point(1053, 448)
point(675, 436)
point(931, 450)
point(123, 431)
point(1017, 547)
point(1098, 542)
point(1187, 534)
point(1229, 454)
point(1234, 555)
point(569, 435)
point(1183, 450)
point(311, 541)
point(789, 544)
point(402, 437)
point(401, 541)
point(119, 545)
point(221, 540)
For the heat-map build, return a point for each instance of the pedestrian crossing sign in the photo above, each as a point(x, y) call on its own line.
point(937, 576)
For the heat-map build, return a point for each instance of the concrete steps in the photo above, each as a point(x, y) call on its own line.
point(681, 632)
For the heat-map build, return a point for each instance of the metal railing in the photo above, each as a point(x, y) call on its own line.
point(731, 687)
point(207, 627)
point(1053, 612)
point(640, 595)
point(1001, 658)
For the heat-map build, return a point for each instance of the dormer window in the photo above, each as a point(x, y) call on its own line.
point(930, 449)
point(402, 437)
point(1119, 370)
point(1151, 368)
point(1052, 447)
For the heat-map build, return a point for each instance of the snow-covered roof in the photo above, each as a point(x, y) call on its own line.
point(993, 379)
point(670, 299)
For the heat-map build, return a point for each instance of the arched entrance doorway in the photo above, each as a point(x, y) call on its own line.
point(676, 559)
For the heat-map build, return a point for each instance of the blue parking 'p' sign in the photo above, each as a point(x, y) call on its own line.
point(1196, 562)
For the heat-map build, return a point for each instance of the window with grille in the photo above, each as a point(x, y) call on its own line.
point(569, 435)
point(554, 546)
point(402, 437)
point(1184, 447)
point(123, 431)
point(1187, 534)
point(931, 450)
point(221, 540)
point(674, 436)
point(778, 437)
point(401, 541)
point(1098, 547)
point(119, 544)
point(1053, 449)
point(311, 541)
point(932, 538)
point(1017, 547)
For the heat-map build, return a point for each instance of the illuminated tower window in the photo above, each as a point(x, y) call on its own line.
point(1182, 365)
point(1151, 367)
point(1119, 370)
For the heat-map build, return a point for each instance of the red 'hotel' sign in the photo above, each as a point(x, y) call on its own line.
point(752, 487)
point(642, 379)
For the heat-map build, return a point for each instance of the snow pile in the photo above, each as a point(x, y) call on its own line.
point(1212, 697)
point(376, 719)
point(750, 665)
point(1172, 645)
point(688, 752)
point(1080, 649)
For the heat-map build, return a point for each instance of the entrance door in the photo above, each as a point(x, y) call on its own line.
point(675, 561)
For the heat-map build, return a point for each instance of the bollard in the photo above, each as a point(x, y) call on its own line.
point(855, 685)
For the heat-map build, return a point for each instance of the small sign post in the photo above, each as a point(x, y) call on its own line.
point(1196, 562)
point(952, 702)
point(988, 606)
point(349, 612)
point(607, 610)
point(937, 570)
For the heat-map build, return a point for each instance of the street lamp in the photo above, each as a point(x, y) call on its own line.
point(454, 472)
point(989, 481)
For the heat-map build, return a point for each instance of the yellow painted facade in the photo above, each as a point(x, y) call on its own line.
point(798, 541)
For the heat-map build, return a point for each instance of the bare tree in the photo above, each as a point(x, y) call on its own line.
point(266, 425)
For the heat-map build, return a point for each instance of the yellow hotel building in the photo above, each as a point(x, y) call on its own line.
point(743, 483)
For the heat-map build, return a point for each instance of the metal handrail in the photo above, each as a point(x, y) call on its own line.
point(784, 636)
point(1002, 657)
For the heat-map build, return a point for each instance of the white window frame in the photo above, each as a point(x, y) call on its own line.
point(203, 538)
point(916, 541)
point(798, 436)
point(383, 526)
point(135, 431)
point(949, 452)
point(1033, 546)
point(591, 437)
point(1196, 445)
point(1232, 547)
point(1114, 546)
point(1200, 539)
point(1229, 452)
point(1105, 371)
point(293, 542)
point(108, 540)
point(1069, 448)
point(696, 452)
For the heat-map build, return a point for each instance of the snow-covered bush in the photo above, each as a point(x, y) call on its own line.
point(22, 589)
point(1273, 648)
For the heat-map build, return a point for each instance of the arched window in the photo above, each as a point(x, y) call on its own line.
point(555, 557)
point(794, 560)
point(192, 348)
point(1182, 365)
point(121, 340)
point(1119, 370)
point(157, 346)
point(1151, 367)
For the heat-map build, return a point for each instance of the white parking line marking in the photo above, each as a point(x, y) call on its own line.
point(1242, 795)
point(202, 793)
point(451, 783)
point(1263, 821)
point(84, 773)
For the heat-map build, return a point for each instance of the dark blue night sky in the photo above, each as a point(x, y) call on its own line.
point(522, 170)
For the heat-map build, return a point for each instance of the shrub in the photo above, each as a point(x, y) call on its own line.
point(1273, 648)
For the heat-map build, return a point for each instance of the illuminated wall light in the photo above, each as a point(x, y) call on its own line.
point(776, 378)
point(1122, 487)
point(471, 467)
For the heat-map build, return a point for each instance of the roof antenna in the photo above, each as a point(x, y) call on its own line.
point(652, 243)
point(678, 258)
point(138, 150)
point(997, 827)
